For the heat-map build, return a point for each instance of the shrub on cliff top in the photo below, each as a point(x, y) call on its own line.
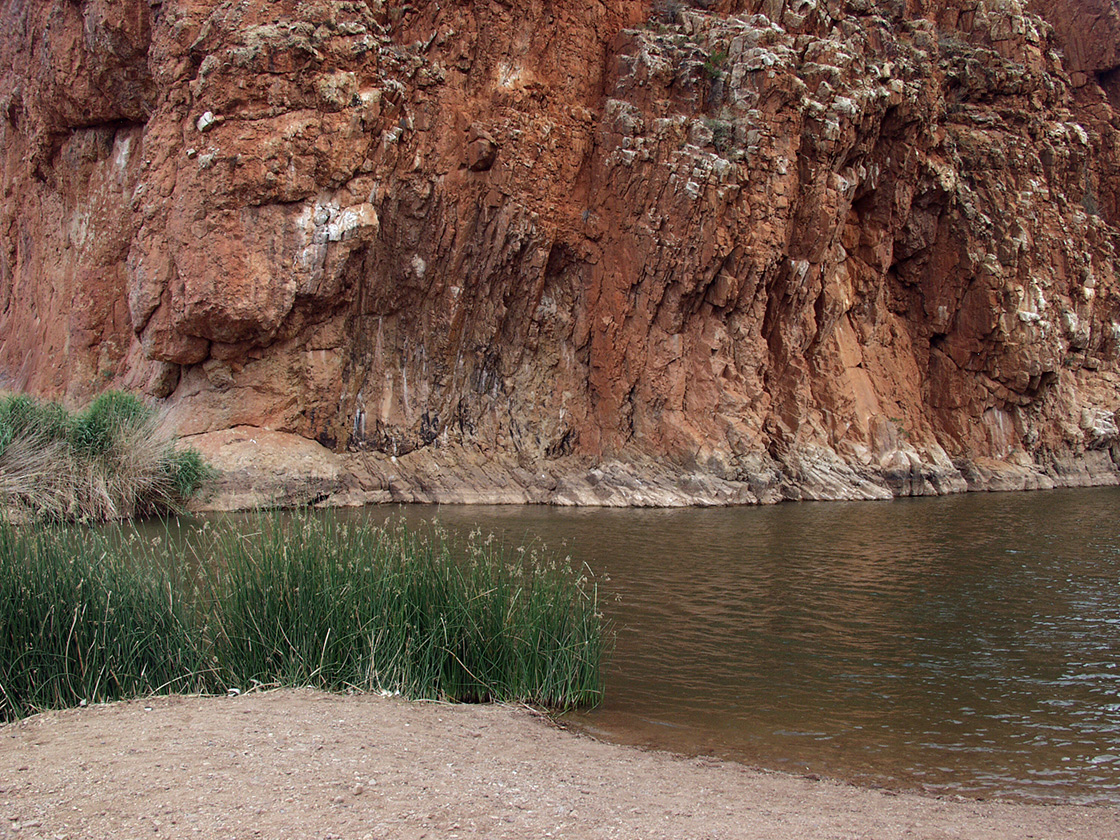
point(112, 460)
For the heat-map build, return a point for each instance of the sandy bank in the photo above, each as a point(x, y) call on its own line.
point(289, 764)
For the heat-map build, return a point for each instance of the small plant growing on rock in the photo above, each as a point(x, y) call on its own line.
point(723, 135)
point(714, 64)
point(668, 11)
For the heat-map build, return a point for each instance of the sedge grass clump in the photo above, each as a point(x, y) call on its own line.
point(349, 606)
point(110, 461)
point(94, 615)
point(82, 622)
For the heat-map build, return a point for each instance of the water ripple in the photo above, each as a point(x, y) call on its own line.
point(965, 644)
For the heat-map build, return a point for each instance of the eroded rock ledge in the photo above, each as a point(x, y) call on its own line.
point(614, 252)
point(261, 468)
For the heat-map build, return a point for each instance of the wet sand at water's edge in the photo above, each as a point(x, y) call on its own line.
point(304, 764)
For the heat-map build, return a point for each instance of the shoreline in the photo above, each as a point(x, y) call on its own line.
point(263, 468)
point(299, 762)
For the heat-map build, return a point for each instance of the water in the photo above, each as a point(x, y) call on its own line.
point(967, 644)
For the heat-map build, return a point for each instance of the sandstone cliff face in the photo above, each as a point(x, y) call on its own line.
point(609, 252)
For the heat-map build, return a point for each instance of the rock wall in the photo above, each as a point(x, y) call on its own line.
point(600, 253)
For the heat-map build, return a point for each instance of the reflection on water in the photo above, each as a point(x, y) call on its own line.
point(966, 644)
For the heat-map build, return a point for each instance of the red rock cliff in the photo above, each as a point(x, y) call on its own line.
point(601, 252)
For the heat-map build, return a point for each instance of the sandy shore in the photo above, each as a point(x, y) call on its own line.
point(303, 764)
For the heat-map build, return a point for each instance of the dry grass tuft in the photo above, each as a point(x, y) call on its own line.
point(114, 460)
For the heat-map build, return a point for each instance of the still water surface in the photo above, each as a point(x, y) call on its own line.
point(968, 644)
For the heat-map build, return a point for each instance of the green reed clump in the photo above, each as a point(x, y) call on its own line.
point(81, 621)
point(345, 606)
point(112, 460)
point(96, 432)
point(93, 616)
